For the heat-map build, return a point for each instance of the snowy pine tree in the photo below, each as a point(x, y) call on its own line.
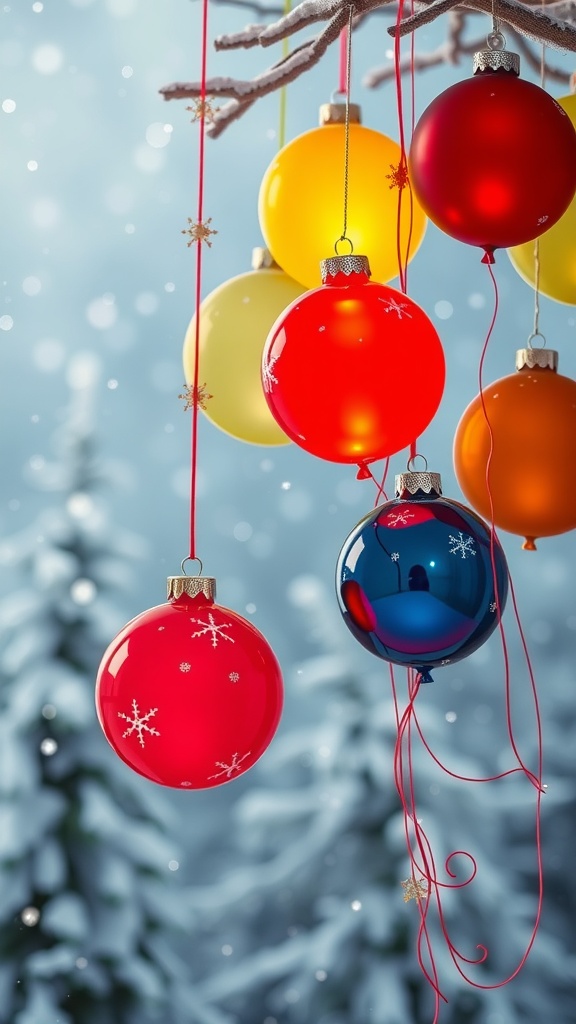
point(87, 901)
point(312, 923)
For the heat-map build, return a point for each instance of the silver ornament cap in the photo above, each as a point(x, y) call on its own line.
point(411, 483)
point(344, 265)
point(193, 586)
point(543, 358)
point(496, 57)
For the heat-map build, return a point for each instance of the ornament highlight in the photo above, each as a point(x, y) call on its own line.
point(234, 323)
point(301, 196)
point(556, 247)
point(353, 371)
point(415, 581)
point(532, 473)
point(189, 694)
point(493, 158)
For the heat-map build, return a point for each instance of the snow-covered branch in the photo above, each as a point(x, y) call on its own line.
point(555, 25)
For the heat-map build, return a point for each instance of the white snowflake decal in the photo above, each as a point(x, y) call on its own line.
point(268, 377)
point(139, 723)
point(445, 661)
point(394, 556)
point(227, 769)
point(186, 784)
point(234, 677)
point(493, 606)
point(215, 630)
point(461, 545)
point(185, 666)
point(392, 306)
point(399, 517)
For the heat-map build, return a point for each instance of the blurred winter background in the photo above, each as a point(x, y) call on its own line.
point(277, 898)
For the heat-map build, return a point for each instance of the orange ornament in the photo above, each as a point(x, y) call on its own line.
point(532, 414)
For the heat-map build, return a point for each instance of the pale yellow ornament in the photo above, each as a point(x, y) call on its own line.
point(556, 247)
point(234, 323)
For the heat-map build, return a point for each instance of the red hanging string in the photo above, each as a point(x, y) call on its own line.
point(403, 256)
point(420, 853)
point(198, 293)
point(342, 61)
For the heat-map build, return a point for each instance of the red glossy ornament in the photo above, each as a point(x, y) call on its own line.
point(353, 371)
point(189, 694)
point(493, 158)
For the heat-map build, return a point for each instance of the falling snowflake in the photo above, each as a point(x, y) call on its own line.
point(228, 769)
point(394, 518)
point(199, 232)
point(234, 677)
point(399, 177)
point(493, 606)
point(213, 628)
point(268, 378)
point(391, 306)
point(445, 661)
point(195, 396)
point(461, 545)
point(394, 556)
point(414, 889)
point(139, 724)
point(185, 666)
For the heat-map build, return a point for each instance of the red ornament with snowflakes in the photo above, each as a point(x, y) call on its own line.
point(353, 371)
point(189, 694)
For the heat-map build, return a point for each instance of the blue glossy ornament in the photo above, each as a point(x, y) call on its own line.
point(414, 578)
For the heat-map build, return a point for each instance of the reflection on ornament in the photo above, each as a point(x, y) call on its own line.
point(234, 323)
point(169, 696)
point(532, 416)
point(493, 158)
point(353, 371)
point(433, 603)
point(556, 247)
point(301, 197)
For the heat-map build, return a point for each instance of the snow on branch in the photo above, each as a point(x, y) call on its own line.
point(555, 26)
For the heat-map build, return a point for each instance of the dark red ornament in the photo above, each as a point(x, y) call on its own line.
point(353, 371)
point(189, 694)
point(493, 158)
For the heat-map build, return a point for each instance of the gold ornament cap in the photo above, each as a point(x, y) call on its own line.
point(411, 483)
point(543, 358)
point(335, 113)
point(344, 265)
point(193, 586)
point(262, 259)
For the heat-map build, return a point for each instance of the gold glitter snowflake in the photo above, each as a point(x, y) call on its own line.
point(195, 396)
point(399, 177)
point(203, 109)
point(414, 889)
point(199, 232)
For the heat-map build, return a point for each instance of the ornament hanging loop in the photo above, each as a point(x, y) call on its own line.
point(343, 238)
point(190, 558)
point(496, 40)
point(411, 464)
point(536, 334)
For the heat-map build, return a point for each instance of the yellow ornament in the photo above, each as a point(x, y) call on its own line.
point(557, 247)
point(234, 323)
point(301, 200)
